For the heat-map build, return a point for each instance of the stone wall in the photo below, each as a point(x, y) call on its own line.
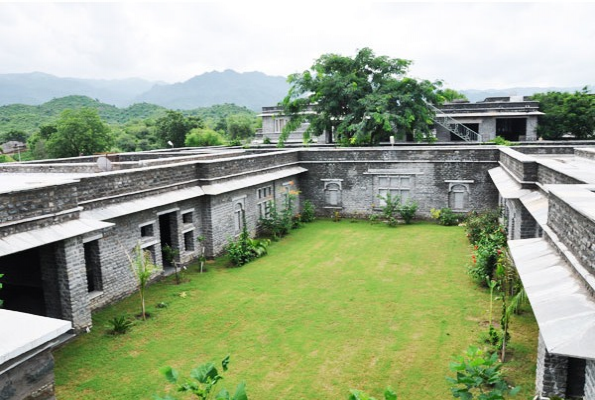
point(109, 188)
point(547, 175)
point(37, 207)
point(245, 164)
point(432, 174)
point(523, 167)
point(30, 380)
point(578, 236)
point(221, 211)
point(551, 372)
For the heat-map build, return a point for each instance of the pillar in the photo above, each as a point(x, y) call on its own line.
point(551, 374)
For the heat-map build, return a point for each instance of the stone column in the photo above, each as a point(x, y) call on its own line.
point(531, 129)
point(72, 281)
point(551, 374)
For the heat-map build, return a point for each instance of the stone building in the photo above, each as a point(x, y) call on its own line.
point(513, 118)
point(67, 226)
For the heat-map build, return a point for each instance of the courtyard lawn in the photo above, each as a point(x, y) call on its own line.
point(333, 306)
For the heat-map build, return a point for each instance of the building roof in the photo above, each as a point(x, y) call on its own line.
point(22, 332)
point(564, 310)
point(50, 234)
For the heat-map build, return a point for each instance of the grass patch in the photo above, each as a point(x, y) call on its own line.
point(333, 306)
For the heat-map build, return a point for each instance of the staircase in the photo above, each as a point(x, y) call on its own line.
point(454, 126)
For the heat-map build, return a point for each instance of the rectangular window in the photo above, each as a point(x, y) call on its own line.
point(265, 200)
point(280, 124)
point(264, 208)
point(187, 217)
point(397, 185)
point(93, 266)
point(189, 241)
point(265, 192)
point(146, 230)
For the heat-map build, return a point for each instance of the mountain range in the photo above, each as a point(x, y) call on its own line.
point(249, 89)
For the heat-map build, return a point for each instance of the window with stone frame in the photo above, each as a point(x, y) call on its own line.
point(187, 217)
point(332, 193)
point(146, 230)
point(189, 241)
point(264, 200)
point(93, 266)
point(458, 197)
point(395, 185)
point(238, 214)
point(280, 124)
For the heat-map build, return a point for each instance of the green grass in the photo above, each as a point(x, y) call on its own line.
point(333, 306)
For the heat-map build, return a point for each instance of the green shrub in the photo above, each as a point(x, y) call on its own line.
point(245, 249)
point(478, 376)
point(407, 211)
point(205, 379)
point(478, 224)
point(308, 214)
point(445, 216)
point(119, 325)
point(389, 394)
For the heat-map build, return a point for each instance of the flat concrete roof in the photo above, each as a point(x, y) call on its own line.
point(20, 332)
point(10, 181)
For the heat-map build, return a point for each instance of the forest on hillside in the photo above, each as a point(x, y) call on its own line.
point(138, 127)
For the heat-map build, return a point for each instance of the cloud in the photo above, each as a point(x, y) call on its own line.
point(468, 45)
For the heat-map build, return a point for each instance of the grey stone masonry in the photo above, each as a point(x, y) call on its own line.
point(590, 380)
point(430, 173)
point(578, 236)
point(22, 210)
point(30, 380)
point(72, 281)
point(551, 372)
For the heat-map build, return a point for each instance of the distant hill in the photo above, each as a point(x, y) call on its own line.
point(36, 88)
point(478, 95)
point(250, 89)
point(29, 118)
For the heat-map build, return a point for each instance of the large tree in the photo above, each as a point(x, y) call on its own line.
point(565, 112)
point(78, 132)
point(361, 100)
point(174, 126)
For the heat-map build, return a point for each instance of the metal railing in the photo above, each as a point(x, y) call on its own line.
point(454, 126)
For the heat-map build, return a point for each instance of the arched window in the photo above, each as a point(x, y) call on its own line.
point(458, 197)
point(332, 193)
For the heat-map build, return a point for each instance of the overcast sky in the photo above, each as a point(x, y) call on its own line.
point(467, 45)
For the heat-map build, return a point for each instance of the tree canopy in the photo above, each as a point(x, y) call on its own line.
point(572, 113)
point(361, 100)
point(78, 132)
point(174, 126)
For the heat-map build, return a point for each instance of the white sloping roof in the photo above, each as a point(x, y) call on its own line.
point(228, 186)
point(564, 310)
point(145, 203)
point(20, 333)
point(28, 240)
point(507, 186)
point(537, 205)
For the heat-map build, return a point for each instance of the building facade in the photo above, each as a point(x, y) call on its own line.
point(512, 118)
point(68, 227)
